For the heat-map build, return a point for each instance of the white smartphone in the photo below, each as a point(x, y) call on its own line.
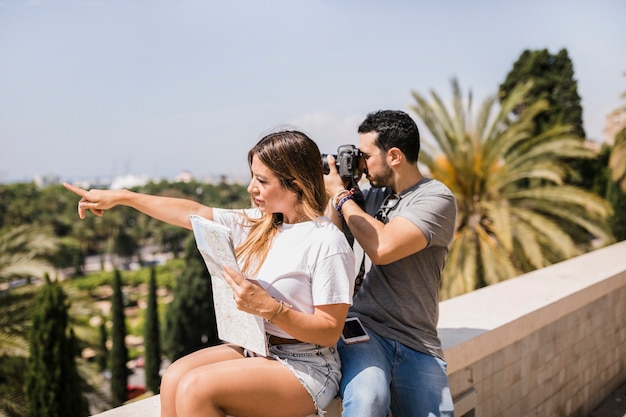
point(353, 331)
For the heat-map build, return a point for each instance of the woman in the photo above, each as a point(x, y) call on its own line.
point(305, 269)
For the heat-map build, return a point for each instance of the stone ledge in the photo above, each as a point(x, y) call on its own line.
point(476, 324)
point(150, 407)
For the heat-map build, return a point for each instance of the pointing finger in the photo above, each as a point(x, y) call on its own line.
point(76, 190)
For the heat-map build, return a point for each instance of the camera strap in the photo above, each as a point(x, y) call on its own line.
point(362, 262)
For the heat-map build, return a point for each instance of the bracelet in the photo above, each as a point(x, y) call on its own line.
point(350, 196)
point(337, 195)
point(281, 305)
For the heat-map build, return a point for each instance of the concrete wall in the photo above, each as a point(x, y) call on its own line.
point(548, 343)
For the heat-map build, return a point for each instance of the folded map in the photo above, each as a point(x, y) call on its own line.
point(215, 243)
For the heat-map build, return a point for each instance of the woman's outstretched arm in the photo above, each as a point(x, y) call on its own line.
point(171, 210)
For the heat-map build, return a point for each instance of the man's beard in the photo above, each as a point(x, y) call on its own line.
point(383, 179)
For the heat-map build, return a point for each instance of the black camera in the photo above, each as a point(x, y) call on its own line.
point(346, 161)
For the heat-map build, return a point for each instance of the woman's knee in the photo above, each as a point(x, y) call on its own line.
point(172, 376)
point(194, 393)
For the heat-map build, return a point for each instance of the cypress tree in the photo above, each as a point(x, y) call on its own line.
point(553, 78)
point(53, 386)
point(103, 352)
point(190, 321)
point(152, 345)
point(553, 81)
point(119, 352)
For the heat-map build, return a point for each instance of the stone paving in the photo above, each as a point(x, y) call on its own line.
point(614, 405)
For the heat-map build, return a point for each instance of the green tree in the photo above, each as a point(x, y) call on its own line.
point(70, 255)
point(151, 337)
point(617, 162)
point(17, 204)
point(617, 222)
point(15, 314)
point(171, 238)
point(124, 245)
point(53, 385)
point(12, 398)
point(25, 251)
point(119, 352)
point(616, 190)
point(553, 81)
point(103, 353)
point(503, 229)
point(190, 320)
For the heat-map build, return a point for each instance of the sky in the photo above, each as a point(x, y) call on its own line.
point(93, 89)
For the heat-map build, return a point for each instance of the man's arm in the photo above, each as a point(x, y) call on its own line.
point(383, 243)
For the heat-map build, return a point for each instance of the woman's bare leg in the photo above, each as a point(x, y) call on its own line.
point(179, 368)
point(252, 387)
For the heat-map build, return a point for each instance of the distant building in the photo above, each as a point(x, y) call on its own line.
point(185, 176)
point(46, 180)
point(129, 181)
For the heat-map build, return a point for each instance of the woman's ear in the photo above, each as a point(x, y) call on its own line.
point(296, 187)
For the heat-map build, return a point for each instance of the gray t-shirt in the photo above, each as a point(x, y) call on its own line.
point(400, 300)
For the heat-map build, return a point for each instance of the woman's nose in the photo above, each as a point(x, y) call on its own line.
point(251, 186)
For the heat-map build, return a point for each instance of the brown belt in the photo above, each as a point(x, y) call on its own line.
point(275, 340)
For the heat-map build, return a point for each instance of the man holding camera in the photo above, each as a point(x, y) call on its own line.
point(405, 228)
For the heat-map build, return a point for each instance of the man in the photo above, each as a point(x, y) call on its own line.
point(405, 230)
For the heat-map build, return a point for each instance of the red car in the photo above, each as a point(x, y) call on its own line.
point(134, 391)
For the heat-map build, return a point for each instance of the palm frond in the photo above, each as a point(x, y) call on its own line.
point(514, 213)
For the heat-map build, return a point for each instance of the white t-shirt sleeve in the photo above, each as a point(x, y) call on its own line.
point(331, 281)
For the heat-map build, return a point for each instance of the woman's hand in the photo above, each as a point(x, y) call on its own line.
point(95, 201)
point(250, 296)
point(323, 327)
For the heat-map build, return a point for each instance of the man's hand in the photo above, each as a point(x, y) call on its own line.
point(333, 181)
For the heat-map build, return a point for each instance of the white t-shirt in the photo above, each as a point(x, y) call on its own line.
point(309, 263)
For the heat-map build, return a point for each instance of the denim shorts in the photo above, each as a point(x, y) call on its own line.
point(317, 368)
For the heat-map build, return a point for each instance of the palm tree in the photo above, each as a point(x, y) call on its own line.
point(617, 162)
point(23, 254)
point(514, 214)
point(24, 250)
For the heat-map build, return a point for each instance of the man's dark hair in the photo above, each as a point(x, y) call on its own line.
point(395, 129)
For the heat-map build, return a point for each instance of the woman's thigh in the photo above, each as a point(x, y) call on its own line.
point(203, 357)
point(249, 386)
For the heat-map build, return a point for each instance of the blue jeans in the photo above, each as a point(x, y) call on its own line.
point(382, 375)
